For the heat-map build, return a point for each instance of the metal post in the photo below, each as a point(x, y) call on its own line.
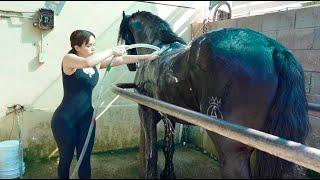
point(18, 110)
point(314, 106)
point(298, 153)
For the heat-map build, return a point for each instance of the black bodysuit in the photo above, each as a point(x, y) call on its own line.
point(71, 120)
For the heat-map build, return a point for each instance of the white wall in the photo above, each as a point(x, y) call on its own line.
point(28, 82)
point(38, 86)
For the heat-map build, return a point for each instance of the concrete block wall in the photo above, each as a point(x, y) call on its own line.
point(299, 31)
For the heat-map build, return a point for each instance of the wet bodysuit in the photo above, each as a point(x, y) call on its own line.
point(71, 120)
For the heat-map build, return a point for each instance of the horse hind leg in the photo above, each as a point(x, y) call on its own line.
point(168, 149)
point(236, 164)
point(234, 157)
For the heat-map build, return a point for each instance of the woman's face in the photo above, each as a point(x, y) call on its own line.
point(86, 50)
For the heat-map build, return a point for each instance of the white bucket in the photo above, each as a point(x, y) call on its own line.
point(10, 160)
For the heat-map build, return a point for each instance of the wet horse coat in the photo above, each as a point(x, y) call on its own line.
point(234, 74)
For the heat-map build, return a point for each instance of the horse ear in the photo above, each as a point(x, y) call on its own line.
point(123, 15)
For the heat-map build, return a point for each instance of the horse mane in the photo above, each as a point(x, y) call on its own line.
point(158, 28)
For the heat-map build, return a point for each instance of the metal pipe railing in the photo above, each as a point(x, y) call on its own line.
point(314, 106)
point(298, 153)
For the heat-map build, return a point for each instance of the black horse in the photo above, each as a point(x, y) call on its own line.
point(234, 74)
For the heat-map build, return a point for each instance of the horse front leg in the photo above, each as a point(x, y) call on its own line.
point(148, 143)
point(168, 149)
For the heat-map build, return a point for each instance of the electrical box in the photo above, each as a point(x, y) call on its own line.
point(46, 18)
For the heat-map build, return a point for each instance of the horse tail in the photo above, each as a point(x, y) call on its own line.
point(288, 115)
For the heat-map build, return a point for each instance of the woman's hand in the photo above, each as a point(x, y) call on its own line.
point(120, 50)
point(153, 56)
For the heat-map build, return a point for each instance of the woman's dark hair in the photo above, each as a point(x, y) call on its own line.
point(78, 37)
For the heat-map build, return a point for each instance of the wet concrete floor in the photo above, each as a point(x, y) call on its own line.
point(188, 163)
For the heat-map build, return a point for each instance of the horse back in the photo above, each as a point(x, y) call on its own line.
point(235, 66)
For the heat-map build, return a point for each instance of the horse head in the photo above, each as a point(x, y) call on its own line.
point(144, 27)
point(126, 36)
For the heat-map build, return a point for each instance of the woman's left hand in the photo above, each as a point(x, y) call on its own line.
point(120, 50)
point(153, 57)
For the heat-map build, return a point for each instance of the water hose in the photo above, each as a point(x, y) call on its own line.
point(97, 107)
point(84, 148)
point(139, 45)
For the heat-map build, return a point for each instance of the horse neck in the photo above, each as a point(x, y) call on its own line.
point(156, 42)
point(178, 54)
point(179, 62)
point(147, 40)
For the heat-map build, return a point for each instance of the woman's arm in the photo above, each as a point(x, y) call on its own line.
point(127, 59)
point(72, 61)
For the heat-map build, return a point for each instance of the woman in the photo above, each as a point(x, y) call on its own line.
point(72, 118)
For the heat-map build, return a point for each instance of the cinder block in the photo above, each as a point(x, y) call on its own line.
point(269, 22)
point(286, 20)
point(316, 16)
point(278, 21)
point(315, 83)
point(212, 26)
point(298, 39)
point(307, 81)
point(226, 23)
point(313, 138)
point(307, 17)
point(271, 34)
point(194, 27)
point(254, 23)
point(286, 37)
point(303, 38)
point(316, 39)
point(304, 18)
point(196, 30)
point(310, 59)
